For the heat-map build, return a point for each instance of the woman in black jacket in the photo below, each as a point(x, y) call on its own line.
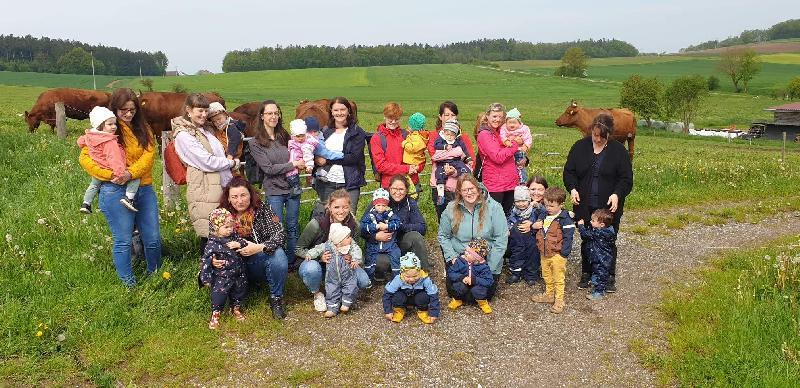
point(598, 174)
point(343, 134)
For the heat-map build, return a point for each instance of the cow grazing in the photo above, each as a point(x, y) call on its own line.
point(77, 105)
point(581, 118)
point(161, 107)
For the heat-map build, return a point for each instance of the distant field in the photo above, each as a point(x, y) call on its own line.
point(56, 80)
point(776, 46)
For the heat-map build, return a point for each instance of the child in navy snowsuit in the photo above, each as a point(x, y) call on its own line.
point(601, 240)
point(449, 138)
point(341, 286)
point(471, 276)
point(523, 263)
point(412, 287)
point(380, 218)
point(230, 281)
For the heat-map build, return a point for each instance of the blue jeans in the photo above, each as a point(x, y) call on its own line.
point(311, 273)
point(121, 222)
point(292, 218)
point(269, 268)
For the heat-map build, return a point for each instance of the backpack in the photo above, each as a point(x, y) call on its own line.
point(412, 189)
point(173, 164)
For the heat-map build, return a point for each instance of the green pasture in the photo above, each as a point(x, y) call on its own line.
point(58, 272)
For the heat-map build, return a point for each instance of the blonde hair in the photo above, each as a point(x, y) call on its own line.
point(337, 194)
point(458, 214)
point(480, 120)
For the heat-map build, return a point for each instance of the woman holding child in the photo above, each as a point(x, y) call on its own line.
point(499, 168)
point(411, 236)
point(448, 110)
point(137, 139)
point(598, 175)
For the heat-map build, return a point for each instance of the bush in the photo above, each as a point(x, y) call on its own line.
point(713, 82)
point(179, 88)
point(793, 90)
point(147, 83)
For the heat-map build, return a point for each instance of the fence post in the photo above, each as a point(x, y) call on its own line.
point(61, 121)
point(169, 189)
point(783, 152)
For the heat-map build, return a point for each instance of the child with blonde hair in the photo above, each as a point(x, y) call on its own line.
point(512, 132)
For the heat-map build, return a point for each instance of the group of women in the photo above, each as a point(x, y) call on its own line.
point(597, 173)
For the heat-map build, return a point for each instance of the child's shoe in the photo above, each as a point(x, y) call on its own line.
point(344, 308)
point(237, 313)
point(214, 322)
point(125, 201)
point(398, 315)
point(584, 282)
point(558, 306)
point(455, 303)
point(86, 208)
point(595, 296)
point(330, 314)
point(513, 278)
point(424, 317)
point(544, 298)
point(484, 305)
point(319, 302)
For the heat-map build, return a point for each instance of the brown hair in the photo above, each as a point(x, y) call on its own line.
point(555, 194)
point(281, 135)
point(605, 123)
point(480, 121)
point(351, 114)
point(537, 179)
point(604, 216)
point(140, 129)
point(445, 105)
point(392, 111)
point(195, 100)
point(337, 194)
point(239, 181)
point(458, 214)
point(400, 178)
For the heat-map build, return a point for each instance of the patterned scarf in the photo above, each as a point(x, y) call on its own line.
point(244, 223)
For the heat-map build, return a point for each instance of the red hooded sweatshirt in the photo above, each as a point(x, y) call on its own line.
point(390, 162)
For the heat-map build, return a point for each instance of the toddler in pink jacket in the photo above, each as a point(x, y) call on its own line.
point(105, 150)
point(509, 133)
point(301, 147)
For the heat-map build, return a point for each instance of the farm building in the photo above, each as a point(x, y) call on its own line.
point(786, 119)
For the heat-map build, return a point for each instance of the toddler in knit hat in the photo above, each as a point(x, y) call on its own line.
point(416, 142)
point(106, 152)
point(341, 286)
point(380, 218)
point(515, 132)
point(230, 281)
point(522, 246)
point(470, 276)
point(450, 144)
point(412, 287)
point(229, 131)
point(301, 147)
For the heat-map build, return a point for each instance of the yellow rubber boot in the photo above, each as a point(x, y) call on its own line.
point(424, 317)
point(398, 315)
point(455, 303)
point(484, 305)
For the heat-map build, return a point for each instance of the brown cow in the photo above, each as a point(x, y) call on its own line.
point(581, 118)
point(77, 105)
point(319, 109)
point(161, 107)
point(247, 113)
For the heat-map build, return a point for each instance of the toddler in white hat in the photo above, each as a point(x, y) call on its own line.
point(301, 147)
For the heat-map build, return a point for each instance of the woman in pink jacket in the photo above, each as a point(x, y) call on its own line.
point(499, 170)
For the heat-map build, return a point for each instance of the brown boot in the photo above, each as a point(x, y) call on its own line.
point(237, 313)
point(544, 298)
point(558, 306)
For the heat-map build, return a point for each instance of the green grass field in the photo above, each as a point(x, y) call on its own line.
point(61, 276)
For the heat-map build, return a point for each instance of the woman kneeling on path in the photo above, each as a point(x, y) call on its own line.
point(258, 224)
point(472, 215)
point(316, 232)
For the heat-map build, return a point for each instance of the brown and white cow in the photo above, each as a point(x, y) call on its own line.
point(161, 107)
point(77, 105)
point(578, 117)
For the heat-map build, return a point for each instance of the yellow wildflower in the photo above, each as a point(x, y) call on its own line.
point(166, 275)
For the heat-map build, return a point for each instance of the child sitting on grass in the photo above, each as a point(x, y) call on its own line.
point(470, 274)
point(411, 288)
point(512, 131)
point(105, 150)
point(229, 281)
point(600, 239)
point(554, 240)
point(341, 287)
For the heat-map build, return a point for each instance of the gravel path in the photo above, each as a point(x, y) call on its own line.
point(521, 343)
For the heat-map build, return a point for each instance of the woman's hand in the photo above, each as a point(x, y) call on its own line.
point(383, 236)
point(326, 257)
point(524, 226)
point(575, 197)
point(218, 264)
point(449, 170)
point(320, 161)
point(250, 249)
point(613, 201)
point(299, 164)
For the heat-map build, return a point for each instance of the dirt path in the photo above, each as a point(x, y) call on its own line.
point(520, 344)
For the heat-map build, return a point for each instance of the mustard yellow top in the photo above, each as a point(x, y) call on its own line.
point(139, 160)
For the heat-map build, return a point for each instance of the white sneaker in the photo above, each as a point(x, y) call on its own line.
point(319, 302)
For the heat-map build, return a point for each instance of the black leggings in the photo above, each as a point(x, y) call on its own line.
point(505, 198)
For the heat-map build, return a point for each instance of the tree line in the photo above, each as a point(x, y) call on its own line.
point(45, 55)
point(784, 30)
point(484, 50)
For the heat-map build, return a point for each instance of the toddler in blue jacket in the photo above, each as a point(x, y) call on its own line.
point(470, 274)
point(412, 287)
point(601, 239)
point(380, 217)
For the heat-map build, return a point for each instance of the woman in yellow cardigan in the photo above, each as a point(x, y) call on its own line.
point(140, 148)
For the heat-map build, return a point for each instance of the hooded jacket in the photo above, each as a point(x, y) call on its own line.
point(479, 273)
point(499, 170)
point(411, 219)
point(105, 150)
point(138, 159)
point(599, 241)
point(495, 231)
point(558, 239)
point(389, 162)
point(423, 284)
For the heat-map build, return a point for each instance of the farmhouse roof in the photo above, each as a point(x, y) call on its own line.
point(793, 107)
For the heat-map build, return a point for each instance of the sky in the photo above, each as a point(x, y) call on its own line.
point(197, 34)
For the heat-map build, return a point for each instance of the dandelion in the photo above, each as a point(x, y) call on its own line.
point(39, 333)
point(166, 275)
